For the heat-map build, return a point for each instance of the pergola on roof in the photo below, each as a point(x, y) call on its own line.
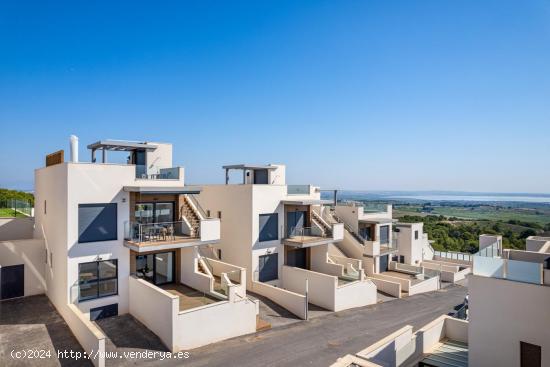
point(249, 166)
point(121, 145)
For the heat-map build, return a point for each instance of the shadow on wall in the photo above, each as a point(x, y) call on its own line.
point(16, 228)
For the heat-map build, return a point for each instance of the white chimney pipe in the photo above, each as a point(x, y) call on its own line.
point(74, 148)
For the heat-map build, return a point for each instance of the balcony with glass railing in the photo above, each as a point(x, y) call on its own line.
point(313, 236)
point(144, 236)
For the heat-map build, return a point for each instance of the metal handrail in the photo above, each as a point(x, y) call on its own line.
point(198, 207)
point(143, 232)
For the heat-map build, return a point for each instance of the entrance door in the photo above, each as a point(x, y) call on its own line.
point(12, 281)
point(295, 220)
point(384, 263)
point(297, 258)
point(530, 355)
point(268, 267)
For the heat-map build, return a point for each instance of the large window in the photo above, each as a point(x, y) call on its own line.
point(97, 279)
point(269, 224)
point(97, 222)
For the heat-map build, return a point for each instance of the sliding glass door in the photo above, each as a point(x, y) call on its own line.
point(156, 268)
point(146, 213)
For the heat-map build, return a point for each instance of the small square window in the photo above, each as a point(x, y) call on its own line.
point(415, 235)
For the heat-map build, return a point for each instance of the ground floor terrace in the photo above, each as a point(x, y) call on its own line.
point(32, 322)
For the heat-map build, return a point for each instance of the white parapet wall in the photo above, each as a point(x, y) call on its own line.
point(323, 289)
point(210, 229)
point(215, 322)
point(427, 285)
point(403, 348)
point(154, 308)
point(32, 254)
point(386, 286)
point(292, 301)
point(392, 350)
point(179, 330)
point(355, 294)
point(16, 228)
point(87, 333)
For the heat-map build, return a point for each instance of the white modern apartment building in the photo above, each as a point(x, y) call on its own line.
point(274, 231)
point(369, 236)
point(508, 319)
point(124, 238)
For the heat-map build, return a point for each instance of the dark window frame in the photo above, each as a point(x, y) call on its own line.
point(416, 235)
point(88, 205)
point(264, 239)
point(97, 280)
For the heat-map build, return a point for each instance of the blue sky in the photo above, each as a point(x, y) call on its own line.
point(372, 95)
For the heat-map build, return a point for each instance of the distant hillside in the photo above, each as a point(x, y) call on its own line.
point(6, 195)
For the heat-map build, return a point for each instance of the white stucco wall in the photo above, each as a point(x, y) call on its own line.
point(408, 246)
point(502, 313)
point(32, 254)
point(16, 228)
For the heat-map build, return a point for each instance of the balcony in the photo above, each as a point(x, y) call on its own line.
point(374, 248)
point(169, 235)
point(314, 236)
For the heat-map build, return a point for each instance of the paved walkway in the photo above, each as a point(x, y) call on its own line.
point(320, 341)
point(33, 323)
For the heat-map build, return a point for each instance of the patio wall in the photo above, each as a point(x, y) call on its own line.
point(292, 301)
point(215, 322)
point(189, 271)
point(387, 286)
point(236, 274)
point(16, 228)
point(427, 285)
point(87, 333)
point(154, 308)
point(319, 262)
point(321, 287)
point(405, 283)
point(32, 254)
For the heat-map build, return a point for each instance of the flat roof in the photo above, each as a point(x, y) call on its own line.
point(306, 202)
point(122, 145)
point(163, 189)
point(378, 220)
point(249, 166)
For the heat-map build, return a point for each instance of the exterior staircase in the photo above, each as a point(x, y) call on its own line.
point(326, 228)
point(191, 215)
point(352, 245)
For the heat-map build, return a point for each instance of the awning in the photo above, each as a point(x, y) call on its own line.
point(378, 220)
point(307, 202)
point(163, 189)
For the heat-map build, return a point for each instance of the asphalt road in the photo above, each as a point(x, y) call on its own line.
point(320, 341)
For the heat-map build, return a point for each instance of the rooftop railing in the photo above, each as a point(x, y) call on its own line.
point(520, 271)
point(451, 255)
point(298, 189)
point(173, 173)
